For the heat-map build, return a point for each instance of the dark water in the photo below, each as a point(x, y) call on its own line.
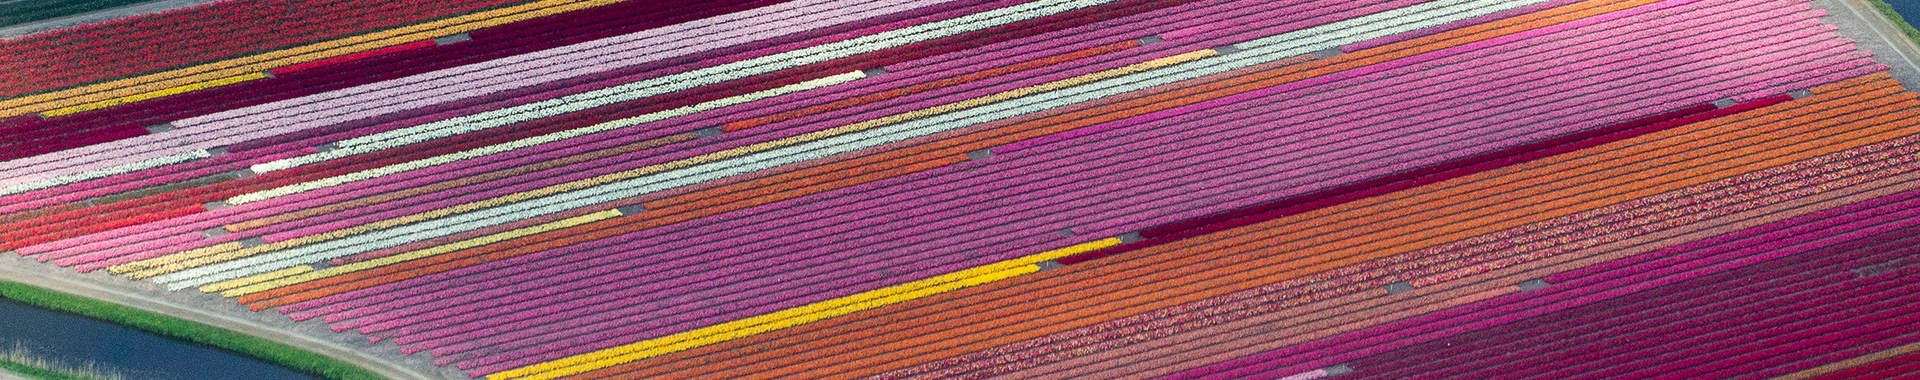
point(70, 340)
point(1908, 9)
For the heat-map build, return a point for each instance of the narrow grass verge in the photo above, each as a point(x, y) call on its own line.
point(1905, 27)
point(13, 13)
point(37, 373)
point(185, 330)
point(19, 361)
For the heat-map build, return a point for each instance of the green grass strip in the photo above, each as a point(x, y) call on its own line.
point(32, 372)
point(185, 330)
point(31, 10)
point(1905, 27)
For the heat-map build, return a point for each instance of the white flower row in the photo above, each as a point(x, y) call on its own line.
point(536, 140)
point(544, 66)
point(802, 151)
point(530, 69)
point(681, 81)
point(103, 173)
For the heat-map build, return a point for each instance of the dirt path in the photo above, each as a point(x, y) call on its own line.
point(1860, 21)
point(1909, 50)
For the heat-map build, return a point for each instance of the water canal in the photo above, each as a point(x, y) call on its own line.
point(69, 340)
